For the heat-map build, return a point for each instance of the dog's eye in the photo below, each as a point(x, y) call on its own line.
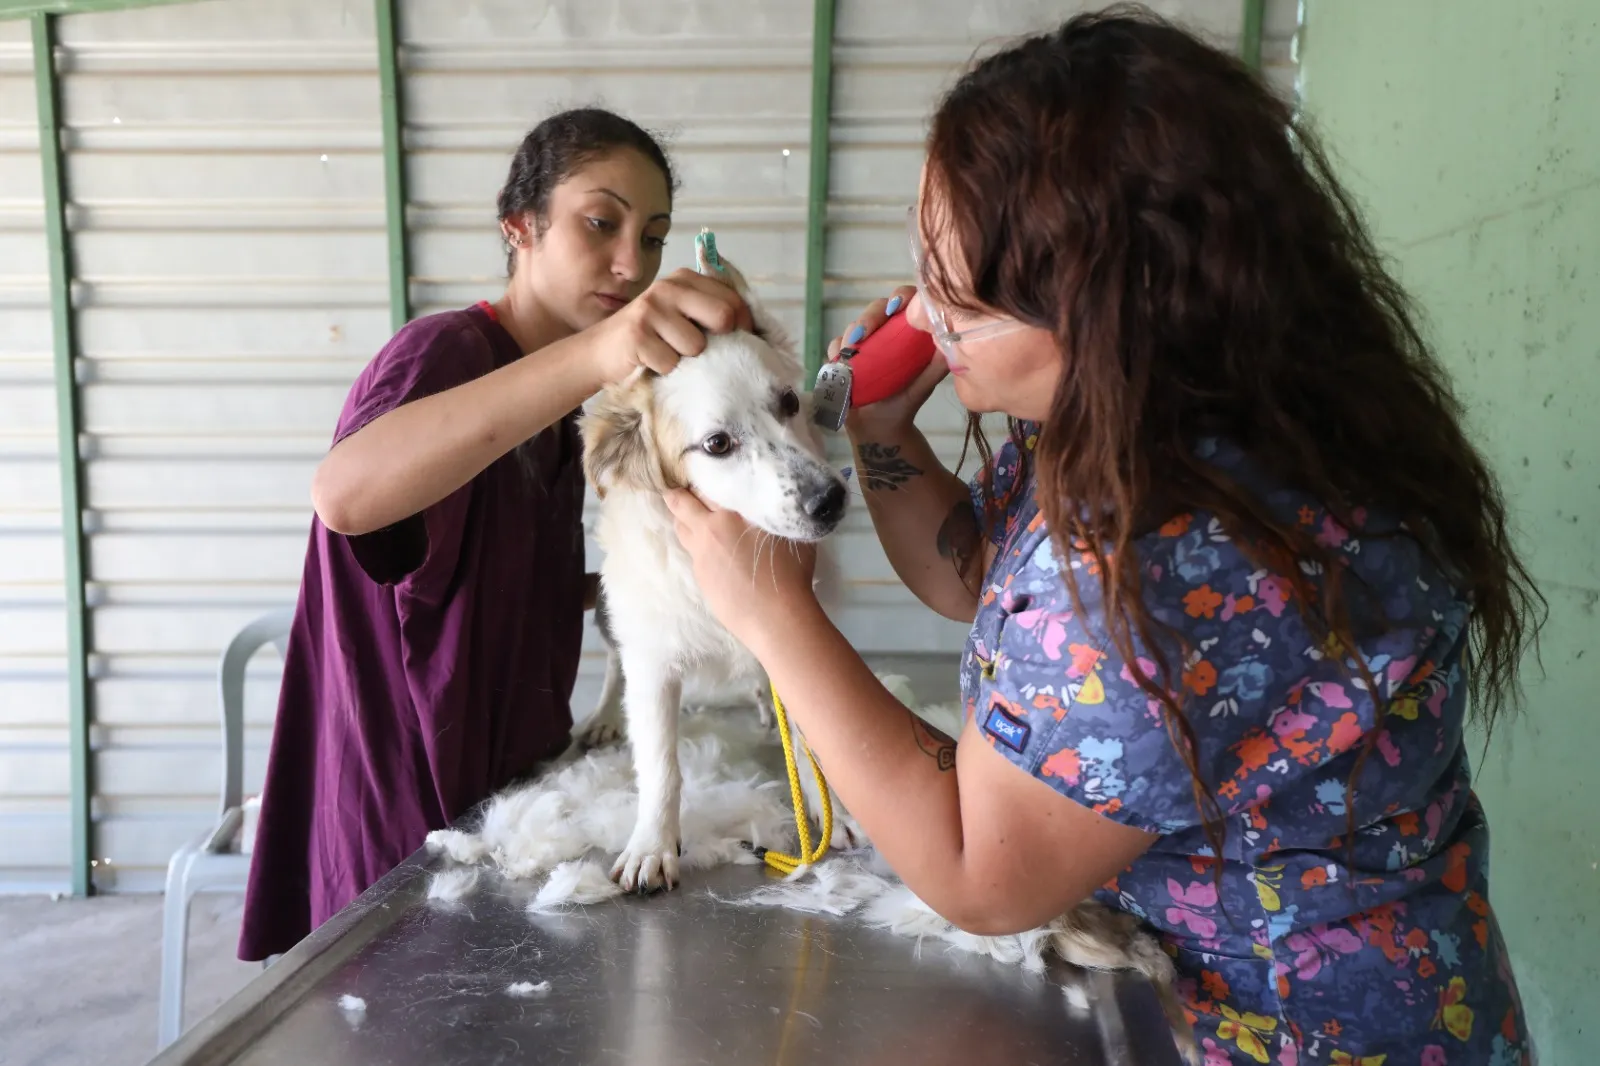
point(788, 404)
point(717, 444)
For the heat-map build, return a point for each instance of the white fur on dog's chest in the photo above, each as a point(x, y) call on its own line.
point(657, 609)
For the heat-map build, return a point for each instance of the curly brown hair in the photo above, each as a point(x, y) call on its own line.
point(1179, 230)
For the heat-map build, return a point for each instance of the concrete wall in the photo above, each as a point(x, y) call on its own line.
point(1470, 130)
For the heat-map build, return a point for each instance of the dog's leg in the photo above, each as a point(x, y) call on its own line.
point(605, 725)
point(650, 861)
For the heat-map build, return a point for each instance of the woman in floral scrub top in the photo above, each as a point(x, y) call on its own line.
point(1234, 579)
point(1317, 942)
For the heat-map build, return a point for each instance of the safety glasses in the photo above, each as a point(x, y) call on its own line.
point(945, 337)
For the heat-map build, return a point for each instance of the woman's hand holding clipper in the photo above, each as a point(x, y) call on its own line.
point(890, 417)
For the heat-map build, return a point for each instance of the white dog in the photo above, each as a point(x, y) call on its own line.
point(733, 423)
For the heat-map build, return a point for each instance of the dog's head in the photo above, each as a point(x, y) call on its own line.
point(731, 424)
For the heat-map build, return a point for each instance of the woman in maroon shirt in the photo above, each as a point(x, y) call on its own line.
point(437, 635)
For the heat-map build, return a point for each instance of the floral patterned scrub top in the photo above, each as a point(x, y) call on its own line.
point(1392, 959)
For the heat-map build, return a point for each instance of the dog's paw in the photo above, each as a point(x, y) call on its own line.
point(600, 732)
point(647, 866)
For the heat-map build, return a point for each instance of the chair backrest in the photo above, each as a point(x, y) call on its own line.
point(270, 628)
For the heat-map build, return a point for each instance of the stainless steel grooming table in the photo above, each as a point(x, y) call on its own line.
point(669, 980)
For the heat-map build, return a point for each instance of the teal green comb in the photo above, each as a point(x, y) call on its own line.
point(705, 252)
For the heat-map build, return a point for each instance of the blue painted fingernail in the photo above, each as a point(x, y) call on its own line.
point(855, 334)
point(894, 305)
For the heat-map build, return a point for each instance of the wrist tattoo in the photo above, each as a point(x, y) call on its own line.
point(959, 538)
point(934, 744)
point(883, 468)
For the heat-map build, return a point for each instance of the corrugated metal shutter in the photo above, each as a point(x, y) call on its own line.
point(226, 178)
point(34, 777)
point(225, 170)
point(1279, 26)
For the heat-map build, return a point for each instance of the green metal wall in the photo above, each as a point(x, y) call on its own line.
point(1470, 128)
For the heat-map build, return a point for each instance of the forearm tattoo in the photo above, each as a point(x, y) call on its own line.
point(883, 468)
point(960, 540)
point(934, 744)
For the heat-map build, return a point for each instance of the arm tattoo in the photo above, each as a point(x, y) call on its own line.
point(883, 468)
point(959, 539)
point(934, 744)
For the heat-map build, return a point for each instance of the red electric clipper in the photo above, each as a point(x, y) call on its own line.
point(880, 366)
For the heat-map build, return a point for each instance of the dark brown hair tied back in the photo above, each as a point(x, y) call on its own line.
point(1179, 229)
point(561, 144)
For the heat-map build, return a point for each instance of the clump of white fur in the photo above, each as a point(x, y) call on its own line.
point(451, 884)
point(853, 884)
point(527, 988)
point(574, 884)
point(459, 846)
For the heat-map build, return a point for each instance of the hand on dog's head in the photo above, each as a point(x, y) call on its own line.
point(730, 423)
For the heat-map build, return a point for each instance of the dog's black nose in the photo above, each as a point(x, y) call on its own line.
point(827, 505)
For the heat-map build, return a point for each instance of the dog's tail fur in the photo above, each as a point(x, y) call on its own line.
point(1096, 937)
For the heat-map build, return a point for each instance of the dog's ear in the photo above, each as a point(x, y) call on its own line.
point(768, 328)
point(619, 440)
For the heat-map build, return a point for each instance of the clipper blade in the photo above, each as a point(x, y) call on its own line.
point(830, 396)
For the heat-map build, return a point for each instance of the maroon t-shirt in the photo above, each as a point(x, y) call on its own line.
point(430, 663)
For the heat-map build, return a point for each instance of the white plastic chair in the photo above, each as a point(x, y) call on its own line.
point(212, 861)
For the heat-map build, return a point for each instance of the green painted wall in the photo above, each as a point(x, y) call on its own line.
point(1471, 131)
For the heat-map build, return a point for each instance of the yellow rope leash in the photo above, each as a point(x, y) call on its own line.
point(788, 864)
